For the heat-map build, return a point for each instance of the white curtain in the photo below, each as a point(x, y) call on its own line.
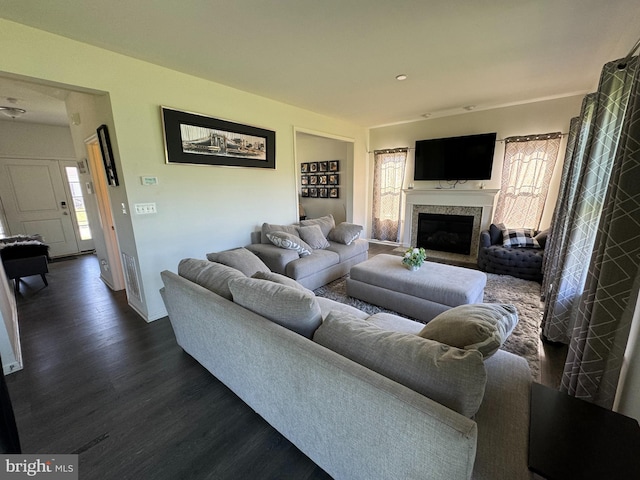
point(526, 173)
point(388, 178)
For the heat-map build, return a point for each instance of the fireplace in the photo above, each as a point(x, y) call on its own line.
point(445, 233)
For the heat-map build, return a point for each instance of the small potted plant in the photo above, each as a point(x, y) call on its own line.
point(414, 258)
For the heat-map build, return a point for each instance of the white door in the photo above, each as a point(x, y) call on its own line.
point(35, 201)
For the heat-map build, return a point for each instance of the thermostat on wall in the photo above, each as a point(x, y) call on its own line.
point(149, 180)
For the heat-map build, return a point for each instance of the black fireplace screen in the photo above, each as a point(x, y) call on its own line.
point(445, 233)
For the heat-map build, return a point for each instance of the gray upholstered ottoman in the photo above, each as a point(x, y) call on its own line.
point(422, 294)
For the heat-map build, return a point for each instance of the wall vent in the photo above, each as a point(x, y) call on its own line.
point(131, 273)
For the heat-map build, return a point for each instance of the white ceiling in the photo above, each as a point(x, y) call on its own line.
point(340, 57)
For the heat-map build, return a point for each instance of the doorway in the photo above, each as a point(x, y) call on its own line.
point(38, 199)
point(111, 270)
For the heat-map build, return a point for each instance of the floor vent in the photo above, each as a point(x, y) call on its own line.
point(131, 272)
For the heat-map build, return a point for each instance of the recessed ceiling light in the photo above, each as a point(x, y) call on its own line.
point(402, 76)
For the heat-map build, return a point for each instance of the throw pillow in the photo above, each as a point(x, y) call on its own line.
point(495, 233)
point(240, 259)
point(269, 228)
point(483, 327)
point(325, 223)
point(290, 307)
point(345, 233)
point(289, 242)
point(281, 279)
point(541, 238)
point(313, 236)
point(519, 237)
point(210, 275)
point(453, 377)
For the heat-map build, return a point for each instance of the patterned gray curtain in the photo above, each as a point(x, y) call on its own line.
point(597, 316)
point(573, 226)
point(388, 178)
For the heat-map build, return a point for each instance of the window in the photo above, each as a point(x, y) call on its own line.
point(78, 203)
point(526, 173)
point(388, 178)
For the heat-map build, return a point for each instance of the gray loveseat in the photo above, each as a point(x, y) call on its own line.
point(520, 262)
point(334, 249)
point(353, 422)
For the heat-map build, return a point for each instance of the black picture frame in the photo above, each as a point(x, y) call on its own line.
point(334, 165)
point(334, 192)
point(313, 192)
point(322, 179)
point(304, 180)
point(304, 192)
point(107, 156)
point(195, 139)
point(324, 192)
point(333, 179)
point(323, 166)
point(313, 167)
point(313, 179)
point(304, 167)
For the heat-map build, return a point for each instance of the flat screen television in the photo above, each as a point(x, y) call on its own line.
point(455, 158)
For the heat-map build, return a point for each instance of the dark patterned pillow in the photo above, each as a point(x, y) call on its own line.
point(519, 237)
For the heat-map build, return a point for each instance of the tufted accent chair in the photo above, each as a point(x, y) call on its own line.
point(518, 262)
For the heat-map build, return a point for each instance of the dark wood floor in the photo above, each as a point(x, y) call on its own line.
point(101, 382)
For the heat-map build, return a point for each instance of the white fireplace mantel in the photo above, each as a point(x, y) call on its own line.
point(483, 198)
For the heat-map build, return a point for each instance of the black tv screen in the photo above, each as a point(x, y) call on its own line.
point(455, 158)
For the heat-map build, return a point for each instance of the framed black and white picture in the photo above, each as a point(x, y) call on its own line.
point(200, 140)
point(313, 179)
point(304, 167)
point(324, 192)
point(334, 165)
point(323, 166)
point(304, 192)
point(333, 179)
point(313, 192)
point(313, 167)
point(334, 192)
point(304, 180)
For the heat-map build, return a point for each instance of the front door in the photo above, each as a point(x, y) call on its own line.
point(35, 201)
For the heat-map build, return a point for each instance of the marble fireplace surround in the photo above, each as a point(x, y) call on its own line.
point(476, 203)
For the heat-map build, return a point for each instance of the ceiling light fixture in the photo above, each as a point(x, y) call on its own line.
point(401, 77)
point(12, 112)
point(426, 115)
point(468, 108)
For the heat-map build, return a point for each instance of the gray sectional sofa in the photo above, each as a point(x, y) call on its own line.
point(334, 249)
point(354, 392)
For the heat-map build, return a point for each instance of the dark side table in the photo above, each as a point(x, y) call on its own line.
point(570, 438)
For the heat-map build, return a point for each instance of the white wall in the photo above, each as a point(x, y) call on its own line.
point(540, 117)
point(200, 208)
point(628, 394)
point(29, 140)
point(312, 148)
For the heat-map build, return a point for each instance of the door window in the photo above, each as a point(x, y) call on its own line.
point(78, 203)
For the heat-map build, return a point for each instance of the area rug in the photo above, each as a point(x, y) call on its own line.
point(524, 294)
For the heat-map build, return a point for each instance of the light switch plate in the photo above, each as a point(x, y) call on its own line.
point(145, 208)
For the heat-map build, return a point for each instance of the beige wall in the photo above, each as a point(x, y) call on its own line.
point(539, 117)
point(200, 209)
